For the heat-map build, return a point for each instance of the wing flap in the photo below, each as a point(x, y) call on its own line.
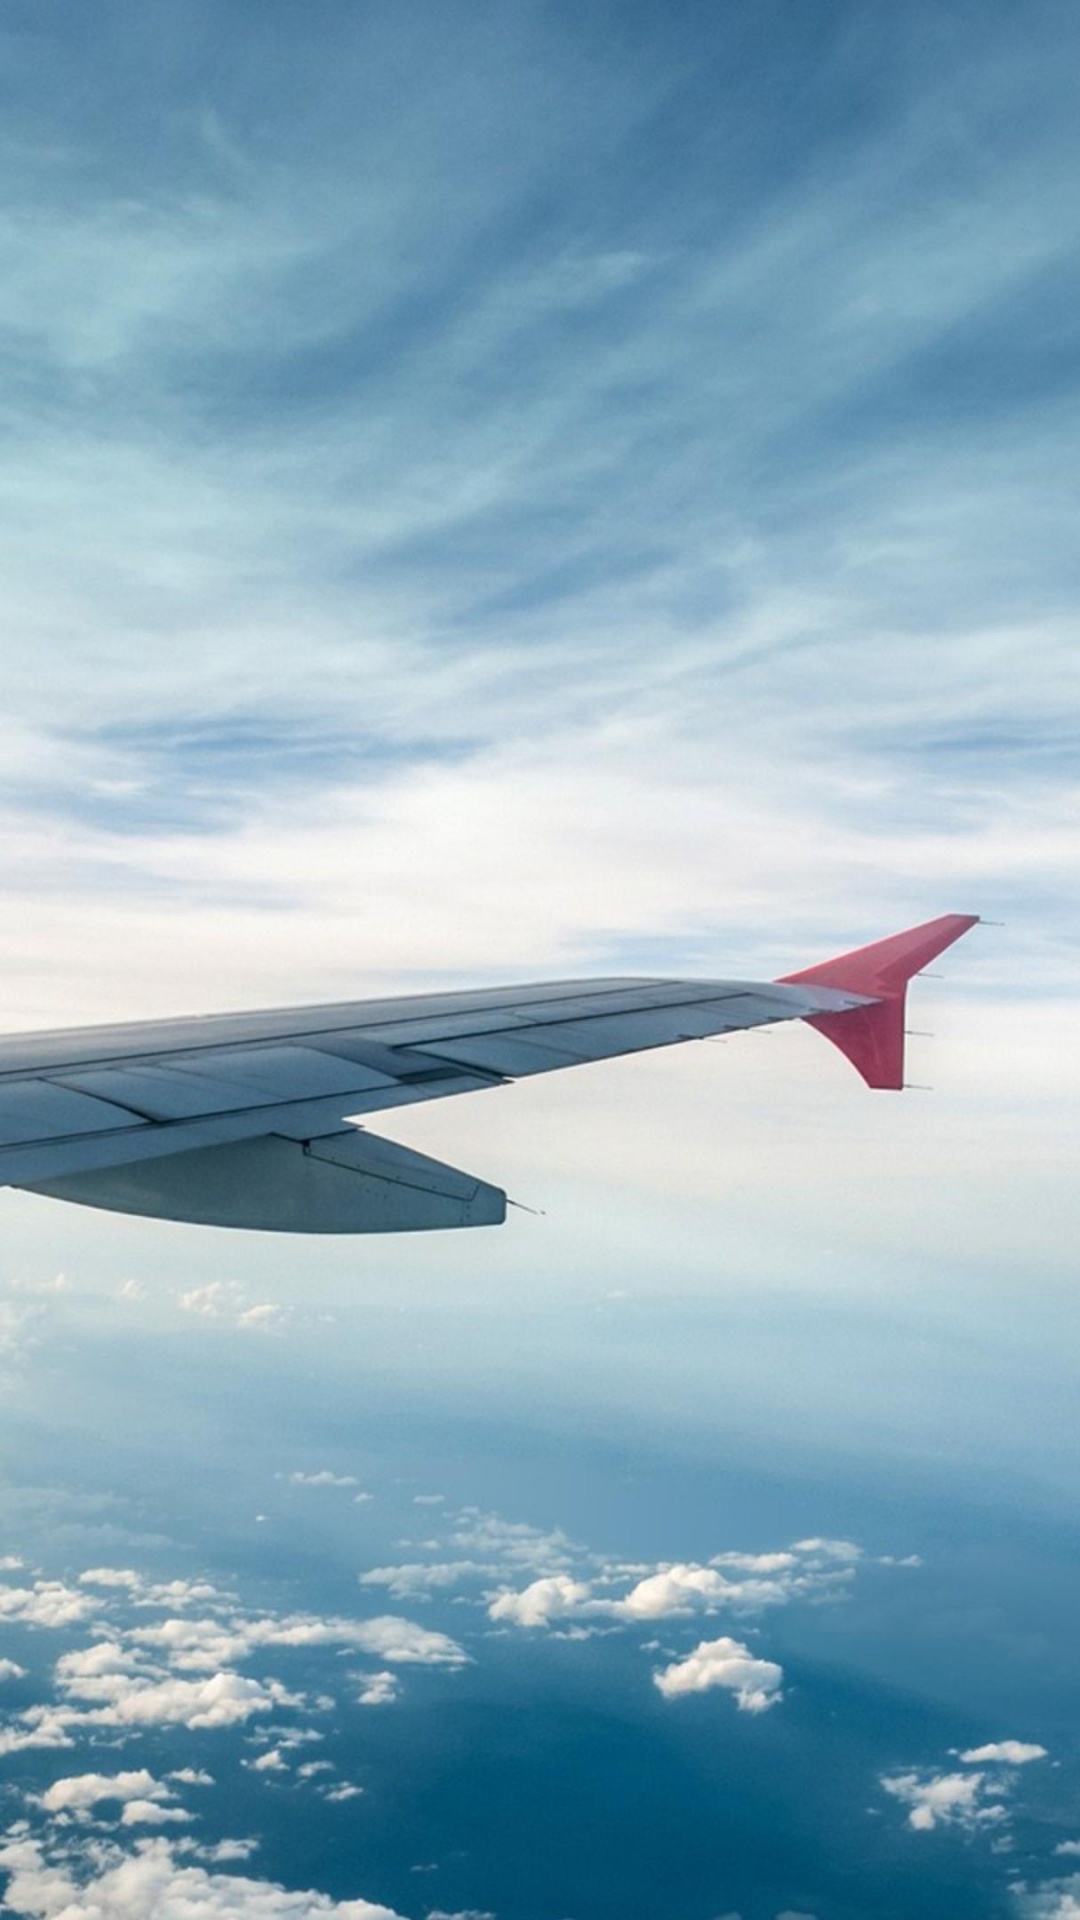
point(347, 1182)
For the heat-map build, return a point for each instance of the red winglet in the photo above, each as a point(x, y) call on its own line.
point(872, 1038)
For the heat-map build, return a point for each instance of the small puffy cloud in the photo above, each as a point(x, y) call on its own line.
point(378, 1689)
point(158, 1883)
point(1068, 1848)
point(37, 1727)
point(421, 1577)
point(269, 1762)
point(724, 1663)
point(210, 1301)
point(82, 1790)
point(192, 1776)
point(551, 1598)
point(1054, 1900)
point(48, 1603)
point(346, 1791)
point(225, 1850)
point(970, 1799)
point(943, 1799)
point(675, 1590)
point(1010, 1753)
point(147, 1812)
point(262, 1318)
point(324, 1478)
point(404, 1643)
point(125, 1577)
point(11, 1670)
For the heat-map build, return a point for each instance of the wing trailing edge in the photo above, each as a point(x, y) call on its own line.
point(872, 1036)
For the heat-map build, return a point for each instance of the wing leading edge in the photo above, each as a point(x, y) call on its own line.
point(239, 1119)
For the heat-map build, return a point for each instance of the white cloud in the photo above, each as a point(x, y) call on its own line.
point(48, 1603)
point(88, 1789)
point(737, 1582)
point(156, 1884)
point(403, 1643)
point(675, 1590)
point(201, 1644)
point(323, 1478)
point(724, 1663)
point(265, 1317)
point(1067, 1848)
point(1053, 1900)
point(421, 1577)
point(150, 1812)
point(1012, 1753)
point(554, 1597)
point(11, 1670)
point(378, 1689)
point(970, 1800)
point(944, 1799)
point(346, 1791)
point(124, 1577)
point(210, 1301)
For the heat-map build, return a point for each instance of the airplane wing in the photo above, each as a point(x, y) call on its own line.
point(241, 1119)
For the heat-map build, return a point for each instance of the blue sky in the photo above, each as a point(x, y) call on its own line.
point(504, 491)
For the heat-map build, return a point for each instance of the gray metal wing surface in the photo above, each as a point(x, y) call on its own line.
point(241, 1119)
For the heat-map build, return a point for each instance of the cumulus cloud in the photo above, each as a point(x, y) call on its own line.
point(735, 1582)
point(202, 1644)
point(552, 1598)
point(48, 1603)
point(403, 1643)
point(151, 1812)
point(378, 1689)
point(724, 1663)
point(111, 1577)
point(88, 1789)
point(11, 1670)
point(973, 1799)
point(157, 1883)
point(944, 1799)
point(1052, 1900)
point(225, 1300)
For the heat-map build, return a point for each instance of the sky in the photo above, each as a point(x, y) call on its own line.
point(504, 492)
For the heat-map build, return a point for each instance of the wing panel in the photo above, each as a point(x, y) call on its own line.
point(225, 1081)
point(36, 1110)
point(561, 1043)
